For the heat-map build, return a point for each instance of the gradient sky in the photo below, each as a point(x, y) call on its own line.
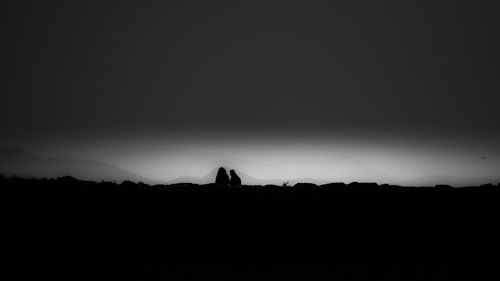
point(386, 91)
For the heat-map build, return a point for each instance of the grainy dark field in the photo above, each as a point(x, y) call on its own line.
point(209, 232)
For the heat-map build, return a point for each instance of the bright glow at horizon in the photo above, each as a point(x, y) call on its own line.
point(402, 163)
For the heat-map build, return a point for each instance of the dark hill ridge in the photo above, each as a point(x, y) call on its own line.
point(21, 163)
point(18, 162)
point(66, 220)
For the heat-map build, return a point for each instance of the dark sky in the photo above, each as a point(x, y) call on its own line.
point(366, 68)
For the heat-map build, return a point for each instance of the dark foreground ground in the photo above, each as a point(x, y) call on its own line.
point(67, 229)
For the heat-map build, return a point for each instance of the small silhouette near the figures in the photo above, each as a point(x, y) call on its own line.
point(235, 179)
point(222, 178)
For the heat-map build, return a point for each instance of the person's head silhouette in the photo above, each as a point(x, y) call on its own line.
point(235, 179)
point(222, 177)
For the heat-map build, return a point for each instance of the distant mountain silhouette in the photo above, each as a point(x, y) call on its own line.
point(17, 162)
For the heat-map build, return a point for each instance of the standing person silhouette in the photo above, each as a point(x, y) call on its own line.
point(222, 178)
point(235, 179)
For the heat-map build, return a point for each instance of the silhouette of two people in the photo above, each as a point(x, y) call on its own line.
point(223, 179)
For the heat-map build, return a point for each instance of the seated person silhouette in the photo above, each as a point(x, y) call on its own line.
point(222, 177)
point(235, 179)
